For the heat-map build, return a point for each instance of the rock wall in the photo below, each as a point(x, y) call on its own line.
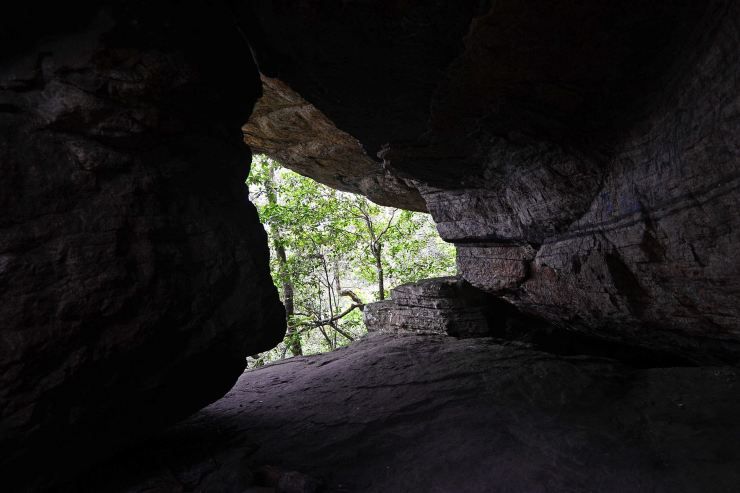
point(583, 157)
point(133, 270)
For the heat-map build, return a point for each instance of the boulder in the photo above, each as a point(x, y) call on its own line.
point(443, 305)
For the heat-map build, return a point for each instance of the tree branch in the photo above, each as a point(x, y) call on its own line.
point(353, 296)
point(390, 222)
point(322, 323)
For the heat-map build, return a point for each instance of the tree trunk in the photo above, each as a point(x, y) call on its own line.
point(294, 343)
point(379, 268)
point(287, 285)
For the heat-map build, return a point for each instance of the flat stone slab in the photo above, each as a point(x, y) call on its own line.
point(438, 414)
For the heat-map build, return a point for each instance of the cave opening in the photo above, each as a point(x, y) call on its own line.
point(582, 158)
point(353, 249)
point(344, 267)
point(333, 253)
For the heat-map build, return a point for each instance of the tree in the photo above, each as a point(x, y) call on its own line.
point(276, 235)
point(332, 250)
point(374, 234)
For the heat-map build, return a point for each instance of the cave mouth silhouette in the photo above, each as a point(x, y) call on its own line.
point(582, 157)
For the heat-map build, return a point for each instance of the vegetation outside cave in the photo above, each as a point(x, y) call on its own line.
point(331, 252)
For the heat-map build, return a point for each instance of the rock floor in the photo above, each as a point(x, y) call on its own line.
point(437, 414)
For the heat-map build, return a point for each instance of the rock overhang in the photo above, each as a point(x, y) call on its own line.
point(580, 156)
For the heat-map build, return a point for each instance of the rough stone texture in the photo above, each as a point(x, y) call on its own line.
point(437, 414)
point(443, 305)
point(583, 156)
point(494, 267)
point(652, 256)
point(133, 270)
point(290, 129)
point(370, 67)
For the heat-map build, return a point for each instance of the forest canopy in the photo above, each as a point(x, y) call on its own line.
point(331, 252)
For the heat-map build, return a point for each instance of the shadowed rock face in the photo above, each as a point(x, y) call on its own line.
point(583, 156)
point(438, 414)
point(133, 270)
point(451, 306)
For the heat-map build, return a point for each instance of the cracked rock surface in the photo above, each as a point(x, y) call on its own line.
point(439, 414)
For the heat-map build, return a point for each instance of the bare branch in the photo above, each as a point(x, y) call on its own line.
point(328, 339)
point(329, 321)
point(353, 296)
point(336, 328)
point(390, 222)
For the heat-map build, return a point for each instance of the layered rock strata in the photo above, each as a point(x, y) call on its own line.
point(444, 305)
point(583, 157)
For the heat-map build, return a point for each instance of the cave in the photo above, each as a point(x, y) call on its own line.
point(582, 157)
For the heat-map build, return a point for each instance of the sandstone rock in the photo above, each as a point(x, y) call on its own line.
point(439, 414)
point(133, 271)
point(290, 129)
point(495, 267)
point(370, 67)
point(280, 481)
point(582, 156)
point(444, 305)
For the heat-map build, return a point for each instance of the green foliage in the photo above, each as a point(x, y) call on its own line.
point(324, 242)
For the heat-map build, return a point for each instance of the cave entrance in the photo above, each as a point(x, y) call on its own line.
point(333, 252)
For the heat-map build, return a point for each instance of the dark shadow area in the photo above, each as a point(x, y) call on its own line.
point(439, 414)
point(546, 337)
point(581, 156)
